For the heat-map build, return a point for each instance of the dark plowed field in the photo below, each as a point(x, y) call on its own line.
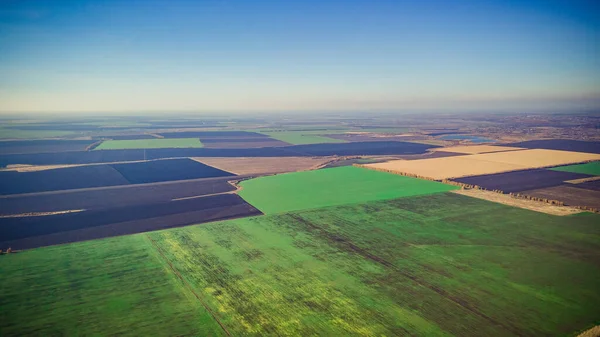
point(560, 144)
point(569, 194)
point(106, 156)
point(167, 170)
point(368, 138)
point(590, 185)
point(107, 197)
point(521, 180)
point(129, 137)
point(12, 182)
point(41, 146)
point(241, 142)
point(213, 134)
point(31, 232)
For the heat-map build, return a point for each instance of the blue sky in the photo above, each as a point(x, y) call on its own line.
point(72, 56)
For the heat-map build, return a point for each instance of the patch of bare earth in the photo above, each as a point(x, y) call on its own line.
point(593, 332)
point(23, 215)
point(248, 165)
point(506, 199)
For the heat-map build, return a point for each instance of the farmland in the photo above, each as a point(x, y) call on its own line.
point(561, 144)
point(166, 170)
point(48, 145)
point(156, 143)
point(83, 288)
point(569, 194)
point(476, 149)
point(302, 137)
point(328, 187)
point(439, 264)
point(37, 231)
point(248, 165)
point(518, 181)
point(587, 168)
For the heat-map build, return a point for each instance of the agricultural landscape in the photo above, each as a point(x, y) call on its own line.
point(296, 226)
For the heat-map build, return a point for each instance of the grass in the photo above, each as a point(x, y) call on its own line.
point(303, 137)
point(118, 286)
point(149, 143)
point(434, 265)
point(592, 168)
point(329, 187)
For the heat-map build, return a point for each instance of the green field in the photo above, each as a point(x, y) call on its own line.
point(433, 265)
point(302, 137)
point(592, 168)
point(117, 286)
point(149, 143)
point(329, 187)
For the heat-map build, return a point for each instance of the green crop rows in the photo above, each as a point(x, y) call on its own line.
point(433, 265)
point(149, 144)
point(329, 187)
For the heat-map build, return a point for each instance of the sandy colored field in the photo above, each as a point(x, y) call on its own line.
point(506, 199)
point(246, 165)
point(446, 167)
point(486, 163)
point(537, 158)
point(476, 149)
point(593, 332)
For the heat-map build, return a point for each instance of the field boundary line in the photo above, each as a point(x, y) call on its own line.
point(176, 272)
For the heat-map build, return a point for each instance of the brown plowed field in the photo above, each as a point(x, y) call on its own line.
point(476, 149)
point(571, 196)
point(248, 165)
point(487, 163)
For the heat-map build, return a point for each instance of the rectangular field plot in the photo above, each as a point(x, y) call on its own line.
point(12, 182)
point(149, 144)
point(485, 163)
point(167, 170)
point(38, 231)
point(41, 146)
point(107, 197)
point(518, 181)
point(119, 286)
point(587, 168)
point(246, 165)
point(475, 149)
point(569, 194)
point(561, 144)
point(302, 137)
point(328, 187)
point(430, 265)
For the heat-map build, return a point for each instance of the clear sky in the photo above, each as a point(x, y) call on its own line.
point(254, 55)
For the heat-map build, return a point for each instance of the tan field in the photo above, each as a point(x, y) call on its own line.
point(506, 199)
point(537, 158)
point(487, 163)
point(475, 149)
point(446, 167)
point(246, 165)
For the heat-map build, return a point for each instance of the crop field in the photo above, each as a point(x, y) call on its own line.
point(485, 163)
point(85, 288)
point(518, 181)
point(48, 145)
point(569, 194)
point(476, 149)
point(9, 133)
point(592, 168)
point(212, 134)
point(302, 137)
point(247, 165)
point(341, 149)
point(107, 197)
point(12, 182)
point(591, 185)
point(328, 187)
point(157, 143)
point(370, 137)
point(167, 170)
point(561, 144)
point(38, 231)
point(130, 137)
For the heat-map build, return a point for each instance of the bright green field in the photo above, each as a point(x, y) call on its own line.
point(303, 137)
point(592, 168)
point(149, 143)
point(434, 265)
point(329, 187)
point(117, 286)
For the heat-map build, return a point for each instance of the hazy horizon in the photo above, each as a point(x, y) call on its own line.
point(262, 56)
